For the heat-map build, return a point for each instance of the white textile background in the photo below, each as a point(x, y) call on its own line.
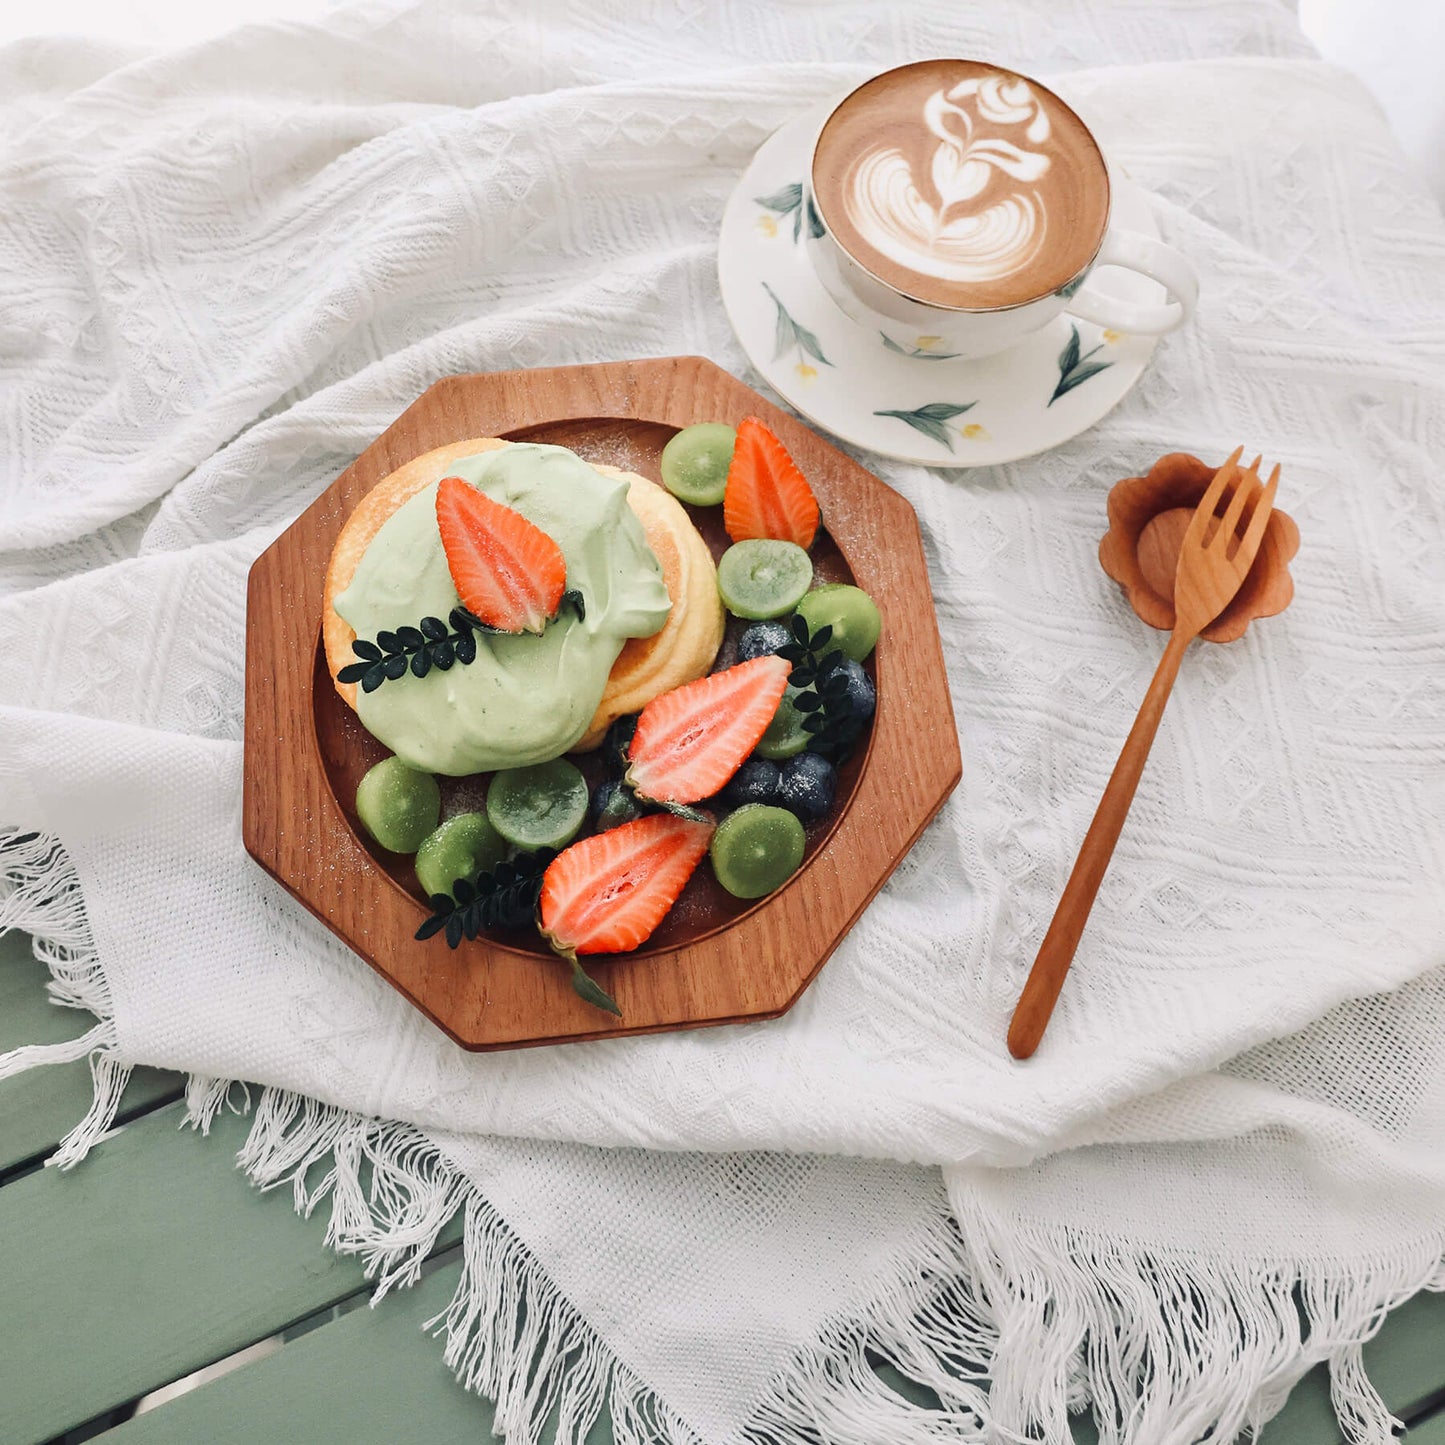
point(226, 269)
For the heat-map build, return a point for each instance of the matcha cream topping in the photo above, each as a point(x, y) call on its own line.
point(526, 698)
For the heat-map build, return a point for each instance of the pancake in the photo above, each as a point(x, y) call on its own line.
point(683, 650)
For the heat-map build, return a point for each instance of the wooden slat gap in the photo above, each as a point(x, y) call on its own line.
point(32, 1164)
point(448, 1249)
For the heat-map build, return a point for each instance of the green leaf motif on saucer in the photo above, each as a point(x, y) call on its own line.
point(790, 334)
point(1073, 368)
point(788, 201)
point(919, 353)
point(930, 419)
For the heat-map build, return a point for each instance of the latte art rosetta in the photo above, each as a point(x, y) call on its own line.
point(963, 204)
point(956, 183)
point(886, 208)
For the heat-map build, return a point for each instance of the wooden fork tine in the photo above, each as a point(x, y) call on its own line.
point(1242, 493)
point(1258, 521)
point(1194, 536)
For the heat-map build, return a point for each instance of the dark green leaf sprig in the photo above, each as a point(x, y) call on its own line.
point(506, 897)
point(415, 649)
point(430, 644)
point(823, 697)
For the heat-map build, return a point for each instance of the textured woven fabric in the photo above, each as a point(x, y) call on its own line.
point(224, 271)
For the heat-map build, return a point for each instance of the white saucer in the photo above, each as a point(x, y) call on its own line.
point(921, 407)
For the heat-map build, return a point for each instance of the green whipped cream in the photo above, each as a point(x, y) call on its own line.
point(526, 698)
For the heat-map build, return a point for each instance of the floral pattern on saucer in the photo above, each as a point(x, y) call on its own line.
point(789, 337)
point(932, 417)
point(915, 400)
point(925, 348)
point(788, 202)
point(1075, 368)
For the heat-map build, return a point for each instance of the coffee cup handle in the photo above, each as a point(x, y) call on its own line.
point(1161, 263)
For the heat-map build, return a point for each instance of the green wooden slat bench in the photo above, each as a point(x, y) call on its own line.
point(156, 1258)
point(38, 1108)
point(1430, 1431)
point(308, 1391)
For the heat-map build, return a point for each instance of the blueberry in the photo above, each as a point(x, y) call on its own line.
point(602, 796)
point(857, 686)
point(762, 638)
point(617, 741)
point(755, 782)
point(613, 803)
point(807, 786)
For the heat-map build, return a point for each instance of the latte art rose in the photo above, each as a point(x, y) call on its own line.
point(962, 185)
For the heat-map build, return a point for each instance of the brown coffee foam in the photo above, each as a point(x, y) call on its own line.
point(886, 112)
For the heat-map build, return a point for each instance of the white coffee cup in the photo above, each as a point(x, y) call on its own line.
point(981, 331)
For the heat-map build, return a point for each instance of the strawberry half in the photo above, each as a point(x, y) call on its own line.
point(766, 494)
point(691, 740)
point(607, 893)
point(507, 571)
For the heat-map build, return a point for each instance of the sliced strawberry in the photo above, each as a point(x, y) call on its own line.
point(691, 740)
point(607, 893)
point(767, 495)
point(506, 570)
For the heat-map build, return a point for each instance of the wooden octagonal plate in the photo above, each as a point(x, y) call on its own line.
point(715, 959)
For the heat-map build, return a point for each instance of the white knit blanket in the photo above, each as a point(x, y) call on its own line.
point(223, 271)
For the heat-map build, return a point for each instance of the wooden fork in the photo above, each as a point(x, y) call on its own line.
point(1205, 582)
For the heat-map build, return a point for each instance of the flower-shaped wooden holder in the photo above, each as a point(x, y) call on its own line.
point(1148, 517)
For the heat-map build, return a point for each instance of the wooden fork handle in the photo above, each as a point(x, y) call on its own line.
point(1056, 953)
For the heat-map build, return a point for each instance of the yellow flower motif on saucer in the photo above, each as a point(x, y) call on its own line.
point(1112, 336)
point(768, 226)
point(928, 343)
point(974, 432)
point(805, 372)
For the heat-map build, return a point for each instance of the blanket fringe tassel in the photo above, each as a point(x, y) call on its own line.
point(1168, 1346)
point(509, 1333)
point(40, 894)
point(995, 1332)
